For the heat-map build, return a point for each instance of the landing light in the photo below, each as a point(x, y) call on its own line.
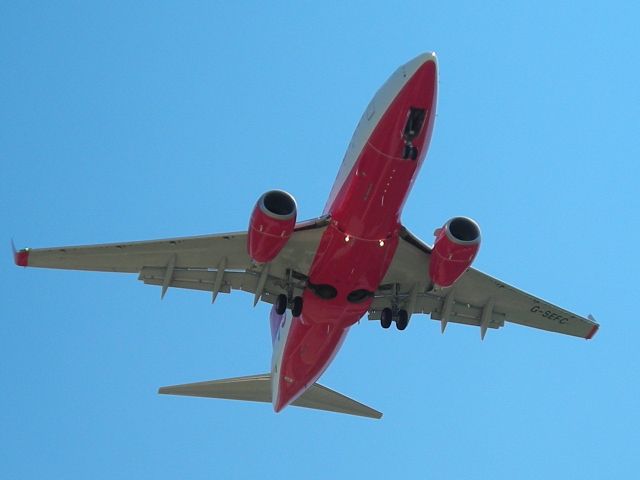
point(347, 238)
point(381, 243)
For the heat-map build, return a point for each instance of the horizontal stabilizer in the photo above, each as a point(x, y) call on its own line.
point(257, 388)
point(323, 398)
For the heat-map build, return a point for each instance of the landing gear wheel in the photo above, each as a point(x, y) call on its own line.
point(403, 320)
point(414, 153)
point(281, 304)
point(386, 317)
point(406, 151)
point(296, 310)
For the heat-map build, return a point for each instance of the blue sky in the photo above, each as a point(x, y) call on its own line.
point(123, 121)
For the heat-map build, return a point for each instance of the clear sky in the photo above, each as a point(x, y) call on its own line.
point(139, 120)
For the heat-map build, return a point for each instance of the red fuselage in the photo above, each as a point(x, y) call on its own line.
point(357, 247)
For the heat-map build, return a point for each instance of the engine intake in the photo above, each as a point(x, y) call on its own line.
point(272, 222)
point(456, 246)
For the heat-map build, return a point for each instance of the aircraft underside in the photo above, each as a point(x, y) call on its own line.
point(323, 275)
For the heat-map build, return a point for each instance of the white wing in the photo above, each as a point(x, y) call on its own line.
point(213, 263)
point(219, 263)
point(476, 299)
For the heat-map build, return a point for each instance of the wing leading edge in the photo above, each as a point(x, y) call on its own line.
point(213, 263)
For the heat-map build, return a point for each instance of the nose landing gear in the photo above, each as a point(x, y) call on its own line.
point(415, 121)
point(409, 151)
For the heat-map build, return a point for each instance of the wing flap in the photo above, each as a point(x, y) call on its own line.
point(205, 280)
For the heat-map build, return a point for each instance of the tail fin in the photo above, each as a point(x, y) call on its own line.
point(257, 388)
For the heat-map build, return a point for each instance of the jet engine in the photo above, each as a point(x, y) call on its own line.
point(272, 222)
point(455, 247)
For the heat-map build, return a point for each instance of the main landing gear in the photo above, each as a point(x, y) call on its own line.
point(282, 302)
point(409, 151)
point(401, 318)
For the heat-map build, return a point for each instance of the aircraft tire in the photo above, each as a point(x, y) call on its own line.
point(403, 320)
point(406, 151)
point(281, 304)
point(296, 310)
point(386, 317)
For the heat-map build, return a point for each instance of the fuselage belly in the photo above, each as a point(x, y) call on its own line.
point(357, 247)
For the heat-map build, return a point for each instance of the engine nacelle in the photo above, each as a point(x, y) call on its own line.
point(455, 247)
point(272, 222)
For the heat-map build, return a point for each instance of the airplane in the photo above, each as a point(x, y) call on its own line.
point(323, 275)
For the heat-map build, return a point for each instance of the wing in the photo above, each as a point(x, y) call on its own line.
point(475, 299)
point(213, 263)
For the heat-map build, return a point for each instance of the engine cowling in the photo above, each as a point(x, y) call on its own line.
point(455, 248)
point(272, 222)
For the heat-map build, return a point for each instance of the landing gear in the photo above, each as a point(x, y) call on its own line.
point(409, 151)
point(296, 309)
point(295, 282)
point(282, 302)
point(412, 128)
point(403, 320)
point(386, 317)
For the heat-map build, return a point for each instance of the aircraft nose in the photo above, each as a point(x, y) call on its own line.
point(413, 65)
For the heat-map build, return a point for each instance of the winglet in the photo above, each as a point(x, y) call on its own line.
point(21, 257)
point(593, 330)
